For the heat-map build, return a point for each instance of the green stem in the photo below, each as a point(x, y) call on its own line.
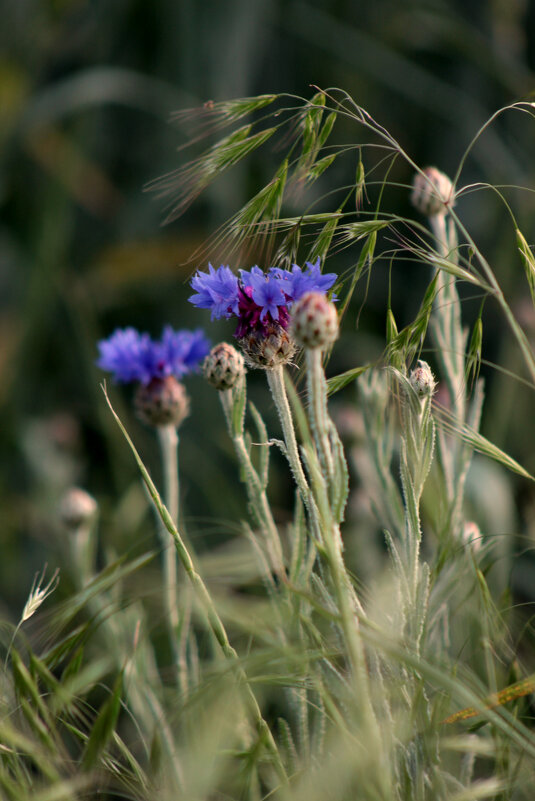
point(168, 439)
point(319, 419)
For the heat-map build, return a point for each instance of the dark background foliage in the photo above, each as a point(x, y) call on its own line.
point(86, 91)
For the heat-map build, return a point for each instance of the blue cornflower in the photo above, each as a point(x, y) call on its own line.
point(257, 298)
point(182, 351)
point(261, 301)
point(216, 290)
point(129, 355)
point(134, 356)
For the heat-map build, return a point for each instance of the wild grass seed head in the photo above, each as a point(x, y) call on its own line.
point(38, 594)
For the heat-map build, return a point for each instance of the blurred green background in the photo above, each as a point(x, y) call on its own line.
point(87, 88)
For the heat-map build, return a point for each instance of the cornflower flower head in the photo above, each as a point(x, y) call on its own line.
point(261, 301)
point(155, 366)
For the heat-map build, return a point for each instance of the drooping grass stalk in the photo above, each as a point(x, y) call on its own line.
point(256, 492)
point(207, 605)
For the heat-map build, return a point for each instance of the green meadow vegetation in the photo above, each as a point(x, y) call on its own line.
point(300, 567)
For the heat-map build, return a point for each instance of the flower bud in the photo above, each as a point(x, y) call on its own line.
point(471, 535)
point(314, 321)
point(162, 402)
point(267, 347)
point(223, 366)
point(422, 380)
point(77, 508)
point(432, 192)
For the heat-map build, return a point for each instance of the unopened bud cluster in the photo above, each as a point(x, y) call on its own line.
point(422, 380)
point(314, 321)
point(432, 192)
point(162, 402)
point(224, 366)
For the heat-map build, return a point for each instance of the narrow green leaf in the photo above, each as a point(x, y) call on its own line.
point(37, 724)
point(39, 669)
point(262, 446)
point(104, 726)
point(27, 687)
point(391, 327)
point(74, 665)
point(298, 410)
point(528, 261)
point(473, 358)
point(239, 399)
point(109, 577)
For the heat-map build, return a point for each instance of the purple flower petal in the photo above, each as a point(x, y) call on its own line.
point(267, 293)
point(216, 290)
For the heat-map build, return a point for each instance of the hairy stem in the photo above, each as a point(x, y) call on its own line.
point(317, 398)
point(275, 379)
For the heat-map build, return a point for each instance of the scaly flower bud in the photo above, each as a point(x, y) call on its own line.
point(223, 366)
point(314, 321)
point(267, 347)
point(432, 192)
point(162, 402)
point(422, 380)
point(77, 507)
